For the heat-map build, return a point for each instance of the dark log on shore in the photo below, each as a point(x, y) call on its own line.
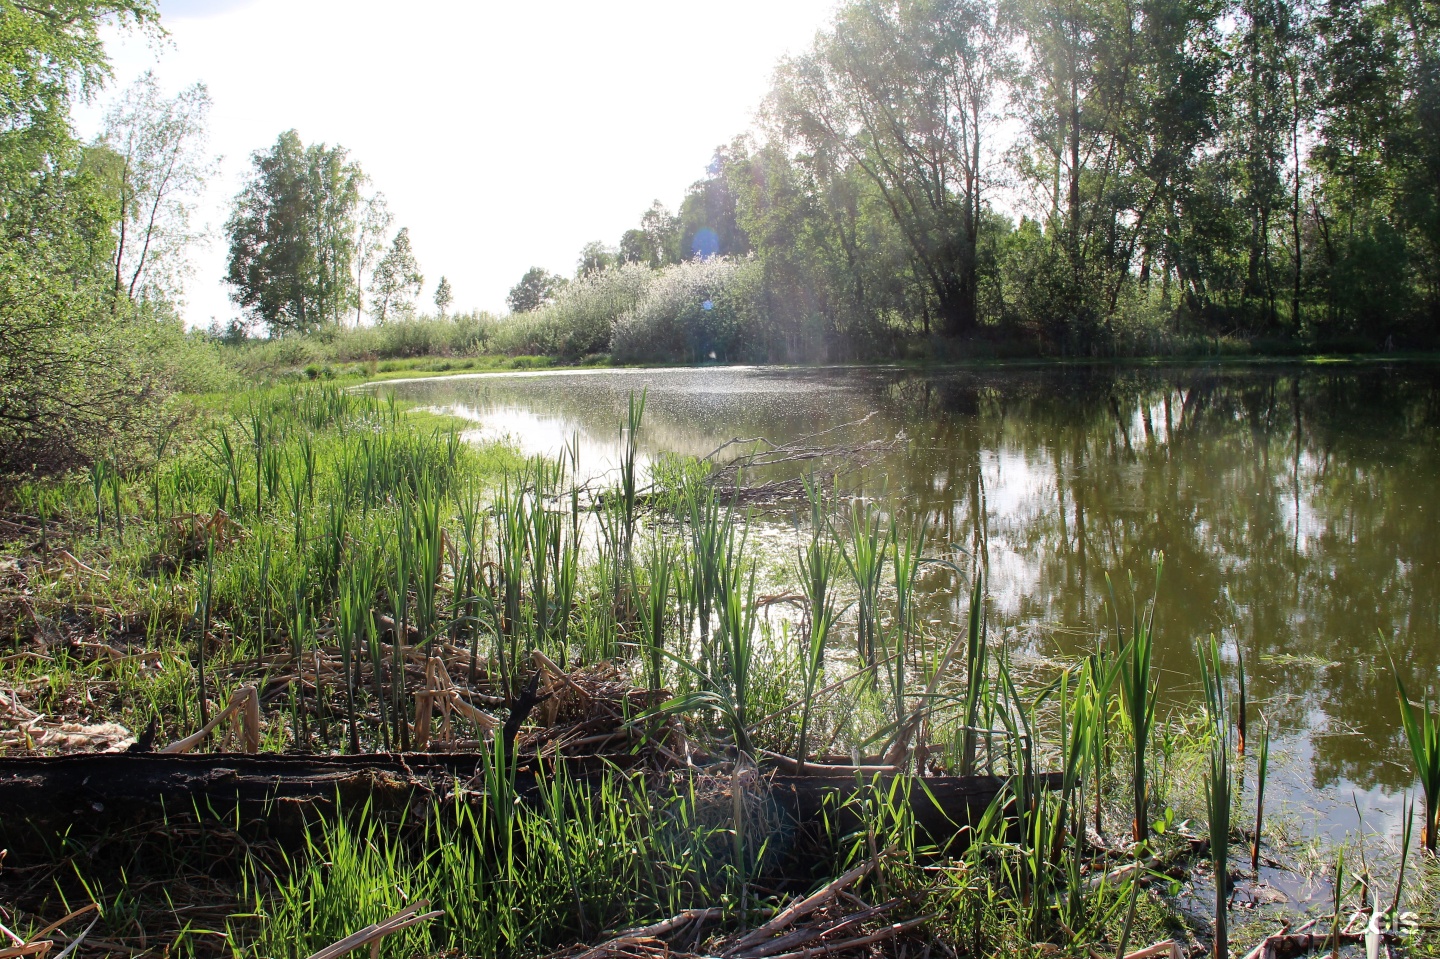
point(40, 795)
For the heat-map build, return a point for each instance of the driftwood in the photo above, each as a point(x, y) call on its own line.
point(441, 691)
point(245, 703)
point(40, 944)
point(799, 910)
point(726, 479)
point(814, 926)
point(372, 934)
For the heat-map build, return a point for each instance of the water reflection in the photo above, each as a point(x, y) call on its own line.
point(1293, 504)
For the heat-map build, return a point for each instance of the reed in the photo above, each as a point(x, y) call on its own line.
point(97, 489)
point(513, 529)
point(736, 648)
point(1337, 902)
point(429, 536)
point(907, 550)
point(864, 550)
point(1138, 689)
point(629, 473)
point(353, 626)
point(465, 608)
point(300, 630)
point(724, 674)
point(711, 533)
point(1217, 786)
point(1406, 835)
point(402, 571)
point(817, 566)
point(1422, 733)
point(207, 587)
point(256, 433)
point(977, 675)
point(1262, 769)
point(1240, 700)
point(655, 607)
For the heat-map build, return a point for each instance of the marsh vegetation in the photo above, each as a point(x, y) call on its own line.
point(382, 584)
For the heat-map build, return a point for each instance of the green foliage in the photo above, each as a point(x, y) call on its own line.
point(1264, 170)
point(70, 381)
point(1218, 788)
point(1138, 687)
point(398, 281)
point(509, 878)
point(535, 289)
point(695, 311)
point(292, 235)
point(1422, 732)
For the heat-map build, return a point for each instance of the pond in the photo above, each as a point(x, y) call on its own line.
point(1294, 506)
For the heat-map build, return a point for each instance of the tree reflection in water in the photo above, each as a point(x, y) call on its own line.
point(1294, 504)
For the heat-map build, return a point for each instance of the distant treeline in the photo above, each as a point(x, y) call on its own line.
point(1267, 170)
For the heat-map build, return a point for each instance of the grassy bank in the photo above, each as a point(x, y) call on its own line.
point(331, 550)
point(477, 343)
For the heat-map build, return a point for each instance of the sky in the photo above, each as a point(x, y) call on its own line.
point(505, 135)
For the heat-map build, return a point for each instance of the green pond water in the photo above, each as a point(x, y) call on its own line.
point(1294, 504)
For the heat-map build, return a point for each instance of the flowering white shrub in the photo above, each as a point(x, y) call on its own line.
point(692, 312)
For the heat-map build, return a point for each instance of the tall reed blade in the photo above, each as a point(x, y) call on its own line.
point(1137, 684)
point(818, 565)
point(1217, 787)
point(977, 675)
point(1261, 770)
point(206, 594)
point(629, 472)
point(655, 608)
point(864, 550)
point(1422, 732)
point(906, 556)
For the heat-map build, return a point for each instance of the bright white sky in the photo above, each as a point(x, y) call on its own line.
point(504, 134)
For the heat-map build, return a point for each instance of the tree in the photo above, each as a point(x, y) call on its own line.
point(397, 280)
point(159, 144)
point(904, 93)
point(371, 226)
point(292, 235)
point(707, 223)
point(595, 257)
point(443, 296)
point(536, 288)
point(657, 241)
point(69, 379)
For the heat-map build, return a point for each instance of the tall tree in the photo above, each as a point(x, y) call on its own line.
point(536, 288)
point(292, 235)
point(397, 279)
point(444, 296)
point(595, 257)
point(371, 226)
point(159, 144)
point(68, 381)
point(905, 92)
point(656, 242)
point(1118, 99)
point(708, 223)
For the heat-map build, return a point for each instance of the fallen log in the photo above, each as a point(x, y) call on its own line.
point(46, 793)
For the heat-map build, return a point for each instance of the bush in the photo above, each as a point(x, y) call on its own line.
point(696, 311)
point(76, 378)
point(581, 319)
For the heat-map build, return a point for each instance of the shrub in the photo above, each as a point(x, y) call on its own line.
point(582, 317)
point(696, 311)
